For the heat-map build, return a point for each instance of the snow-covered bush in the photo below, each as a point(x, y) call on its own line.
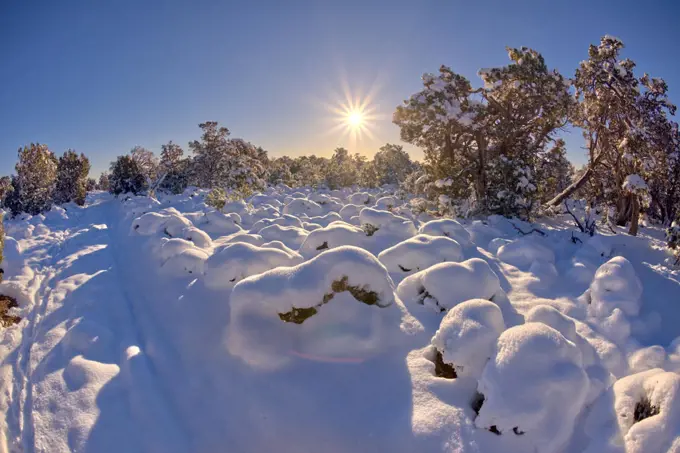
point(673, 240)
point(71, 185)
point(420, 252)
point(334, 235)
point(217, 198)
point(432, 291)
point(639, 414)
point(292, 236)
point(33, 187)
point(525, 251)
point(302, 206)
point(339, 304)
point(446, 227)
point(219, 223)
point(235, 261)
point(616, 285)
point(386, 225)
point(467, 336)
point(534, 385)
point(127, 177)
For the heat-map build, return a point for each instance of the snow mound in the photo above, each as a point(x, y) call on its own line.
point(467, 335)
point(236, 261)
point(339, 304)
point(446, 227)
point(439, 288)
point(330, 237)
point(284, 220)
point(300, 206)
point(189, 261)
point(615, 285)
point(325, 220)
point(293, 237)
point(641, 411)
point(524, 252)
point(219, 223)
point(533, 385)
point(647, 358)
point(387, 203)
point(385, 225)
point(420, 252)
point(359, 198)
point(350, 210)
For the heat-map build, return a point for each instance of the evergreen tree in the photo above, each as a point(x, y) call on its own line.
point(342, 170)
point(211, 155)
point(103, 183)
point(148, 164)
point(173, 169)
point(35, 181)
point(72, 172)
point(392, 164)
point(91, 184)
point(127, 177)
point(5, 188)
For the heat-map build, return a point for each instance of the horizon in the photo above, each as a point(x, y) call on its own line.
point(101, 79)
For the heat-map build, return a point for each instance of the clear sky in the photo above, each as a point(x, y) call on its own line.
point(101, 76)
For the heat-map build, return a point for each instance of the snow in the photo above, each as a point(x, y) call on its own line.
point(166, 325)
point(467, 335)
point(634, 183)
point(534, 384)
point(446, 227)
point(419, 253)
point(261, 336)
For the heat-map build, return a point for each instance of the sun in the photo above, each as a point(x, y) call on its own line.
point(355, 119)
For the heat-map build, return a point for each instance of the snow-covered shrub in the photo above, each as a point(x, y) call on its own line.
point(33, 186)
point(2, 245)
point(639, 414)
point(284, 220)
point(350, 210)
point(190, 261)
point(420, 252)
point(127, 176)
point(326, 220)
point(534, 385)
point(233, 262)
point(217, 198)
point(330, 237)
point(673, 240)
point(300, 206)
point(467, 336)
point(525, 251)
point(647, 358)
point(72, 172)
point(339, 304)
point(219, 223)
point(386, 224)
point(441, 287)
point(387, 203)
point(446, 227)
point(361, 198)
point(291, 236)
point(616, 285)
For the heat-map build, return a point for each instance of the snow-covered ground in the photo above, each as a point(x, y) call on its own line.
point(300, 321)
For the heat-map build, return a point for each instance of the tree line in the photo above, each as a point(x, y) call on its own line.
point(491, 149)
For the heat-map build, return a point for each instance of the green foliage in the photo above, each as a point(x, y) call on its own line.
point(127, 177)
point(217, 198)
point(72, 172)
point(34, 185)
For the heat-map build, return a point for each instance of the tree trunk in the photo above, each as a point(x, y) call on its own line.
point(635, 216)
point(566, 193)
point(623, 208)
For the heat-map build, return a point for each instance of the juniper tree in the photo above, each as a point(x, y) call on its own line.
point(392, 164)
point(35, 181)
point(103, 183)
point(173, 169)
point(127, 176)
point(72, 172)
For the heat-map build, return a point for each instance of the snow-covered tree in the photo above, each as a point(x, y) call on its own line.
point(627, 131)
point(342, 170)
point(309, 170)
point(72, 172)
point(91, 184)
point(392, 164)
point(103, 183)
point(216, 198)
point(127, 176)
point(147, 162)
point(227, 163)
point(279, 171)
point(173, 170)
point(35, 181)
point(486, 141)
point(554, 171)
point(5, 188)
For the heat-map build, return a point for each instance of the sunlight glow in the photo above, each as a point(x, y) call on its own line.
point(355, 118)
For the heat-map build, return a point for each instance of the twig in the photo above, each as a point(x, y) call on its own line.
point(524, 233)
point(574, 239)
point(580, 226)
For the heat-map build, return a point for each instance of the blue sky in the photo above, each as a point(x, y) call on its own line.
point(101, 76)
